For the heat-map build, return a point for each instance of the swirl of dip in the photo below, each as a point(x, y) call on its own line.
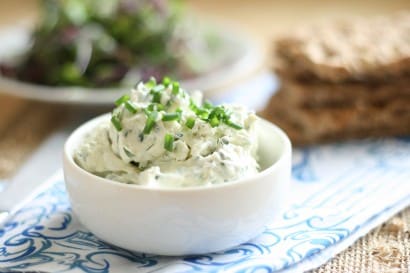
point(161, 136)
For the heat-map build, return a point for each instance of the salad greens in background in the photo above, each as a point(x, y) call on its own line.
point(95, 43)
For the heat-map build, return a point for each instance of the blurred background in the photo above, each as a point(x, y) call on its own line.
point(262, 19)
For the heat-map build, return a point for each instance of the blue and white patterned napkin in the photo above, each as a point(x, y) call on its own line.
point(338, 193)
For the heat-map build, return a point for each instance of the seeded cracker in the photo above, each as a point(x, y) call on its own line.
point(344, 80)
point(351, 50)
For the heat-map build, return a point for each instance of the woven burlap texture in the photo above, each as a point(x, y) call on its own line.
point(386, 250)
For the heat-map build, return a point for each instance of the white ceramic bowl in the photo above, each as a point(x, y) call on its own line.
point(181, 221)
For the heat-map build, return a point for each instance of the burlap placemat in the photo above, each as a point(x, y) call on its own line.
point(24, 125)
point(385, 249)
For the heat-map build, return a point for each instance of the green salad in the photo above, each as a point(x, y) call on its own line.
point(96, 43)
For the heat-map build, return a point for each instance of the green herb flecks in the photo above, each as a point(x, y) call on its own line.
point(175, 88)
point(214, 115)
point(156, 97)
point(154, 107)
point(169, 142)
point(171, 116)
point(122, 100)
point(115, 120)
point(128, 153)
point(190, 122)
point(131, 107)
point(214, 122)
point(150, 123)
point(166, 81)
point(151, 83)
point(233, 124)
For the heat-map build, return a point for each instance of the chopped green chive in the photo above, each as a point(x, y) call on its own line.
point(214, 122)
point(233, 125)
point(160, 107)
point(166, 81)
point(151, 83)
point(154, 107)
point(156, 97)
point(202, 113)
point(190, 122)
point(171, 116)
point(169, 142)
point(213, 115)
point(148, 126)
point(121, 100)
point(218, 112)
point(116, 122)
point(192, 105)
point(147, 111)
point(131, 107)
point(152, 116)
point(175, 88)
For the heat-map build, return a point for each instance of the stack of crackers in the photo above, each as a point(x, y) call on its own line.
point(344, 80)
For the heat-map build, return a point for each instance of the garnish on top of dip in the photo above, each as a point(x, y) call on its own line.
point(161, 136)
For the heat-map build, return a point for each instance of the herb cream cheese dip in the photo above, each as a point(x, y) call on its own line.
point(160, 136)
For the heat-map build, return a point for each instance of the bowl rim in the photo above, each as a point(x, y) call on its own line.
point(85, 127)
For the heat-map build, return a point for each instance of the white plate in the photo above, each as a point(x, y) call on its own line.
point(246, 59)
